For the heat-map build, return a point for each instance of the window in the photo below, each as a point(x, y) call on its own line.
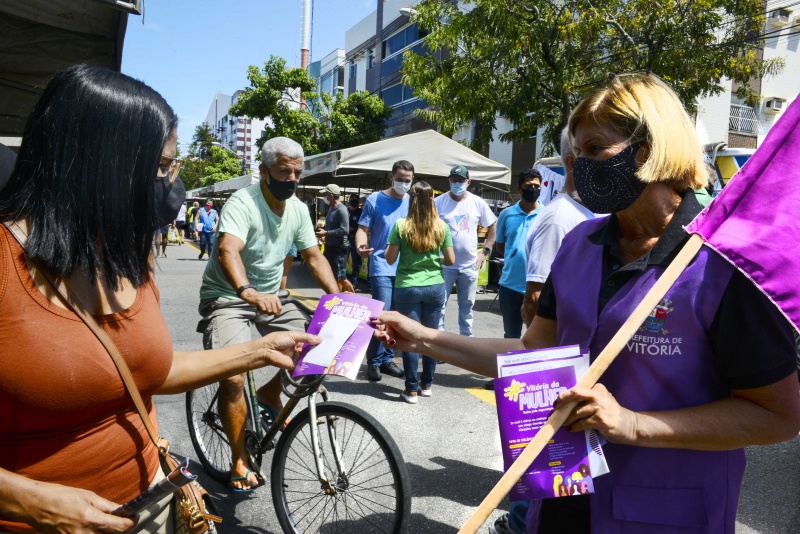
point(396, 94)
point(392, 95)
point(339, 77)
point(402, 39)
point(370, 58)
point(353, 68)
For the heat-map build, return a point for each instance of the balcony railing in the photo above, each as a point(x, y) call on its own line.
point(743, 120)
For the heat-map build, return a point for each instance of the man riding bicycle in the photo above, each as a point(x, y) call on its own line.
point(256, 230)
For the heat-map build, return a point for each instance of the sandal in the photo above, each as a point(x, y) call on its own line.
point(245, 478)
point(273, 415)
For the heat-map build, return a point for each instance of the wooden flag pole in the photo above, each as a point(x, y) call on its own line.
point(588, 380)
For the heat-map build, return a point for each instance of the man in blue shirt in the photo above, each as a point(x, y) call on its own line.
point(512, 233)
point(206, 224)
point(379, 214)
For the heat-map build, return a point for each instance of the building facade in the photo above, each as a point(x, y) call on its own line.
point(236, 134)
point(330, 73)
point(374, 58)
point(375, 45)
point(726, 119)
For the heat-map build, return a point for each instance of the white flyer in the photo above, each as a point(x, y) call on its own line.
point(335, 333)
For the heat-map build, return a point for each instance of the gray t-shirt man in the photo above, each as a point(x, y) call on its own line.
point(337, 226)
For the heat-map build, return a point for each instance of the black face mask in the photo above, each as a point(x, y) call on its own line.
point(169, 199)
point(354, 203)
point(531, 194)
point(610, 185)
point(281, 190)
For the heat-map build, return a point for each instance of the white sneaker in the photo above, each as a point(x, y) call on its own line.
point(424, 392)
point(501, 526)
point(409, 396)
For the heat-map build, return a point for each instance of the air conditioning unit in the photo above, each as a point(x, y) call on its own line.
point(774, 105)
point(780, 17)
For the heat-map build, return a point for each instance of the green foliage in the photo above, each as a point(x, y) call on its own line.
point(322, 123)
point(216, 165)
point(202, 141)
point(531, 61)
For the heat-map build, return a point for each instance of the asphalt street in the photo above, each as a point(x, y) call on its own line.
point(450, 441)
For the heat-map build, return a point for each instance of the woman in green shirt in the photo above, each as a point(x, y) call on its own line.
point(422, 241)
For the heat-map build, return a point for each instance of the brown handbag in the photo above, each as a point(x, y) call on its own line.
point(195, 512)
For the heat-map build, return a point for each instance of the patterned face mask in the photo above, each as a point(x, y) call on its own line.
point(609, 185)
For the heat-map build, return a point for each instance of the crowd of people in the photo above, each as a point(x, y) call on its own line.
point(71, 450)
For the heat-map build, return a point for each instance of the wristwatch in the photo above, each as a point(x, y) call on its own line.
point(243, 288)
point(486, 251)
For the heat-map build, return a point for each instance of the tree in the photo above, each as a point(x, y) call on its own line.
point(531, 61)
point(288, 97)
point(207, 164)
point(202, 141)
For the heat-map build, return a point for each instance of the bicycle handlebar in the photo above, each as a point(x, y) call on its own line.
point(307, 384)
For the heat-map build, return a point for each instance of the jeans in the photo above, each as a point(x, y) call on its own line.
point(516, 516)
point(510, 305)
point(382, 289)
point(206, 239)
point(355, 259)
point(425, 305)
point(466, 282)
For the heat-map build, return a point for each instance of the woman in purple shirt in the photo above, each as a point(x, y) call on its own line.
point(712, 370)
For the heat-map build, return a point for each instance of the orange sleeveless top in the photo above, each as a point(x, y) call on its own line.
point(65, 416)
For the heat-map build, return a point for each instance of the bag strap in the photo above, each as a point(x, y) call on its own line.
point(73, 302)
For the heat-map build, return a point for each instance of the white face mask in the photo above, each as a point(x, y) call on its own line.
point(401, 188)
point(326, 201)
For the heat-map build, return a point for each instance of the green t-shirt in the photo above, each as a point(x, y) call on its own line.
point(267, 239)
point(415, 269)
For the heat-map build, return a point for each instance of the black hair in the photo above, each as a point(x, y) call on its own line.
point(86, 173)
point(402, 164)
point(528, 174)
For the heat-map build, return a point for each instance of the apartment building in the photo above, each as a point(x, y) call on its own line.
point(375, 45)
point(237, 134)
point(330, 73)
point(726, 119)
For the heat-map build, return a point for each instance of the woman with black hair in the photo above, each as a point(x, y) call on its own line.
point(98, 147)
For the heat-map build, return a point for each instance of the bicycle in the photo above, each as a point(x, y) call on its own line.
point(368, 490)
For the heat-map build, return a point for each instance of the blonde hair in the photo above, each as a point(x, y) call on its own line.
point(644, 108)
point(422, 228)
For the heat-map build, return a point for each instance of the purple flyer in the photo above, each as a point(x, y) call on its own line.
point(342, 320)
point(524, 402)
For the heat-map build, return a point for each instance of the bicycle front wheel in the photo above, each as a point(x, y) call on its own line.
point(205, 428)
point(369, 490)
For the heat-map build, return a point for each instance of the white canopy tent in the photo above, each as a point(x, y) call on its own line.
point(432, 154)
point(224, 188)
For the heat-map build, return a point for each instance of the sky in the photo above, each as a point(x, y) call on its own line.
point(188, 50)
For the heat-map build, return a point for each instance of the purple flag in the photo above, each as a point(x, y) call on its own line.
point(755, 221)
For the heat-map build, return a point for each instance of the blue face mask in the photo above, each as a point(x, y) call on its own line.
point(458, 188)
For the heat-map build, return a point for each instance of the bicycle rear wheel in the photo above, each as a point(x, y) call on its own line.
point(372, 493)
point(208, 437)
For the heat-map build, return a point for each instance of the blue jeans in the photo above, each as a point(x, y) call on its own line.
point(206, 240)
point(382, 289)
point(466, 282)
point(510, 306)
point(516, 516)
point(425, 305)
point(355, 259)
